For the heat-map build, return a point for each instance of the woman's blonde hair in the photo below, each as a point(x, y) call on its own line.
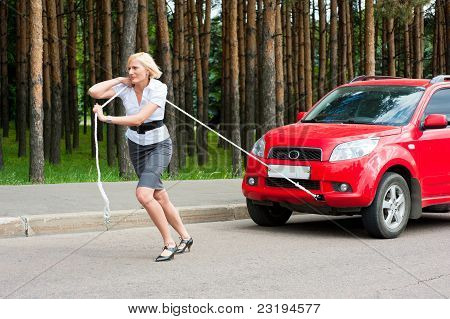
point(148, 63)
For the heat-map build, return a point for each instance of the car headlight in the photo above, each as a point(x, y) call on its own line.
point(258, 148)
point(353, 149)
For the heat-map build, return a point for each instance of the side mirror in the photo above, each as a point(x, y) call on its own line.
point(435, 121)
point(300, 116)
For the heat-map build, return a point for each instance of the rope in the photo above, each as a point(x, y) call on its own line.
point(106, 210)
point(316, 197)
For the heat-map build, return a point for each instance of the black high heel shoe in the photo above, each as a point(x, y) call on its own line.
point(184, 244)
point(172, 250)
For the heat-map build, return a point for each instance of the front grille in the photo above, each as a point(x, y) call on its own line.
point(297, 153)
point(284, 183)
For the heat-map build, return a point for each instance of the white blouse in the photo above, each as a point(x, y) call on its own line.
point(155, 92)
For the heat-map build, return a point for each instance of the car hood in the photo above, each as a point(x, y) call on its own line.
point(324, 136)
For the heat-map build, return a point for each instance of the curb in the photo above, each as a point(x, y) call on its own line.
point(33, 225)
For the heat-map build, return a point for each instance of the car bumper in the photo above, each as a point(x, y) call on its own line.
point(358, 173)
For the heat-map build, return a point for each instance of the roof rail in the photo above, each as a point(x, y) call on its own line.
point(440, 78)
point(373, 77)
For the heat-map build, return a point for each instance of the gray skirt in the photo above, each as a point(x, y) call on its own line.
point(149, 162)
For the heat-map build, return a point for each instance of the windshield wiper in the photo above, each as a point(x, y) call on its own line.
point(309, 121)
point(357, 122)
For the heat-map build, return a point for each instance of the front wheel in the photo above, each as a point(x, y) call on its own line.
point(389, 212)
point(268, 215)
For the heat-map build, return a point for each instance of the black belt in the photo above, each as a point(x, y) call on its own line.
point(145, 127)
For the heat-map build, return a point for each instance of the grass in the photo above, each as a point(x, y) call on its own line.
point(80, 167)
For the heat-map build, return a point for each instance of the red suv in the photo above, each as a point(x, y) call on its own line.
point(377, 146)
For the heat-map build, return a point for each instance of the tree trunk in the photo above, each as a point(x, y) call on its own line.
point(36, 173)
point(55, 156)
point(369, 47)
point(301, 56)
point(349, 24)
point(22, 76)
point(334, 45)
point(313, 50)
point(447, 31)
point(241, 60)
point(201, 151)
point(4, 75)
point(166, 67)
point(418, 65)
point(290, 109)
point(279, 78)
point(205, 41)
point(234, 88)
point(250, 74)
point(178, 80)
point(420, 43)
point(377, 24)
point(127, 48)
point(73, 92)
point(268, 66)
point(384, 44)
point(259, 110)
point(92, 78)
point(117, 24)
point(1, 154)
point(361, 39)
point(308, 68)
point(295, 105)
point(442, 39)
point(407, 61)
point(143, 26)
point(391, 46)
point(227, 71)
point(85, 67)
point(4, 68)
point(343, 37)
point(47, 88)
point(322, 48)
point(188, 79)
point(67, 125)
point(107, 68)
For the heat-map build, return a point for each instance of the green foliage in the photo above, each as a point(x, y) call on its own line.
point(402, 10)
point(80, 167)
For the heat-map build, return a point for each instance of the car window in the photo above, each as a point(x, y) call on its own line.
point(439, 103)
point(378, 105)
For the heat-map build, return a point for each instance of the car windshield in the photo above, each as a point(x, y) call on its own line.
point(378, 105)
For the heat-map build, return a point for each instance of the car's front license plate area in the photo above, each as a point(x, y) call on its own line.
point(294, 172)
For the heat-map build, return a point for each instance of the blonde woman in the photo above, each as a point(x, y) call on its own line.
point(149, 143)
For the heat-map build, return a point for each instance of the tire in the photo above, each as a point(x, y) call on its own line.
point(390, 221)
point(268, 215)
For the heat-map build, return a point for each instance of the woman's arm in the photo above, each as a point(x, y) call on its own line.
point(104, 90)
point(129, 120)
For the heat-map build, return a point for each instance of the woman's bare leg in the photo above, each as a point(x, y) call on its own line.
point(171, 213)
point(156, 213)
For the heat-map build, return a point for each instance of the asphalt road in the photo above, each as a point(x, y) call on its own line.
point(311, 257)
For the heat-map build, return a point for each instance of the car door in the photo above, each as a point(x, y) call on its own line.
point(434, 149)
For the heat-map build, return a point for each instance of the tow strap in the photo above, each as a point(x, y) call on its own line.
point(107, 211)
point(316, 197)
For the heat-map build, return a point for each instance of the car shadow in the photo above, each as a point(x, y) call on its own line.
point(344, 227)
point(319, 226)
point(429, 221)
